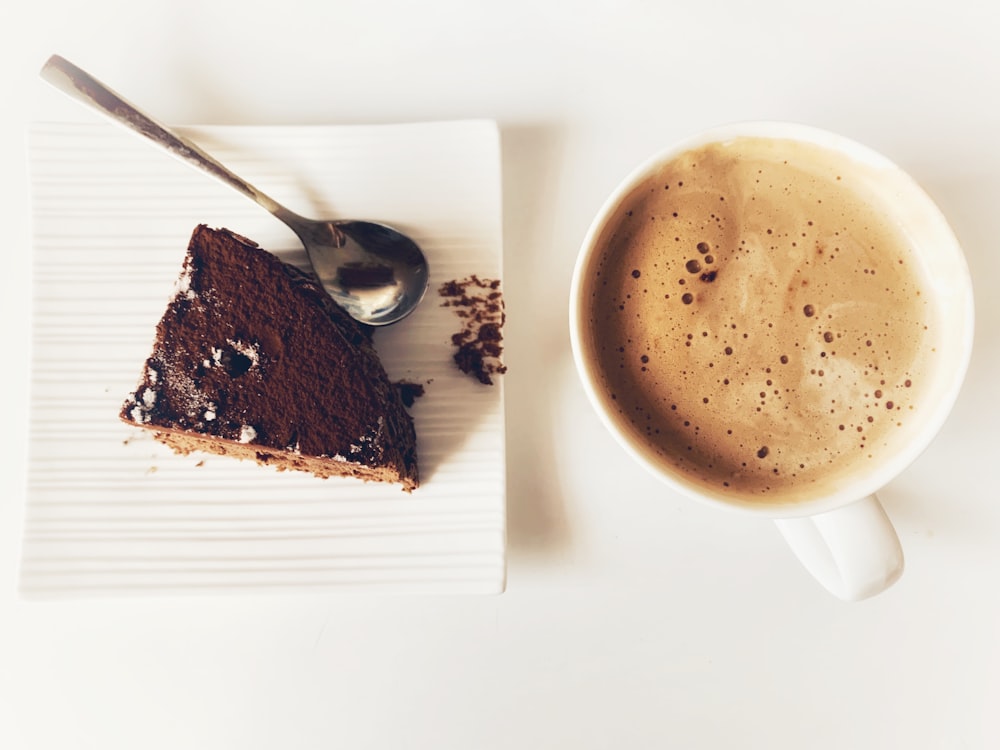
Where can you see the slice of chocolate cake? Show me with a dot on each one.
(253, 359)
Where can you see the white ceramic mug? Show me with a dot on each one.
(843, 538)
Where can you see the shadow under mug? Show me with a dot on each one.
(842, 537)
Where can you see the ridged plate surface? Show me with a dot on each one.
(111, 512)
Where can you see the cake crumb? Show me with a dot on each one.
(409, 392)
(479, 303)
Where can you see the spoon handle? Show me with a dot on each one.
(83, 87)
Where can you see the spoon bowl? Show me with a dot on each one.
(373, 271)
(376, 273)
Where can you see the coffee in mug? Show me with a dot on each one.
(775, 319)
(758, 320)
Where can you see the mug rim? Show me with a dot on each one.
(855, 488)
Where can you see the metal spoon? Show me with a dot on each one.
(377, 274)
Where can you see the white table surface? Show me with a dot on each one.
(633, 618)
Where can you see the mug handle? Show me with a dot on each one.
(853, 551)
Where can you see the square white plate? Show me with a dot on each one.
(110, 511)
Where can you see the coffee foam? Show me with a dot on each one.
(757, 319)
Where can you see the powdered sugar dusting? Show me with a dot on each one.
(182, 287)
